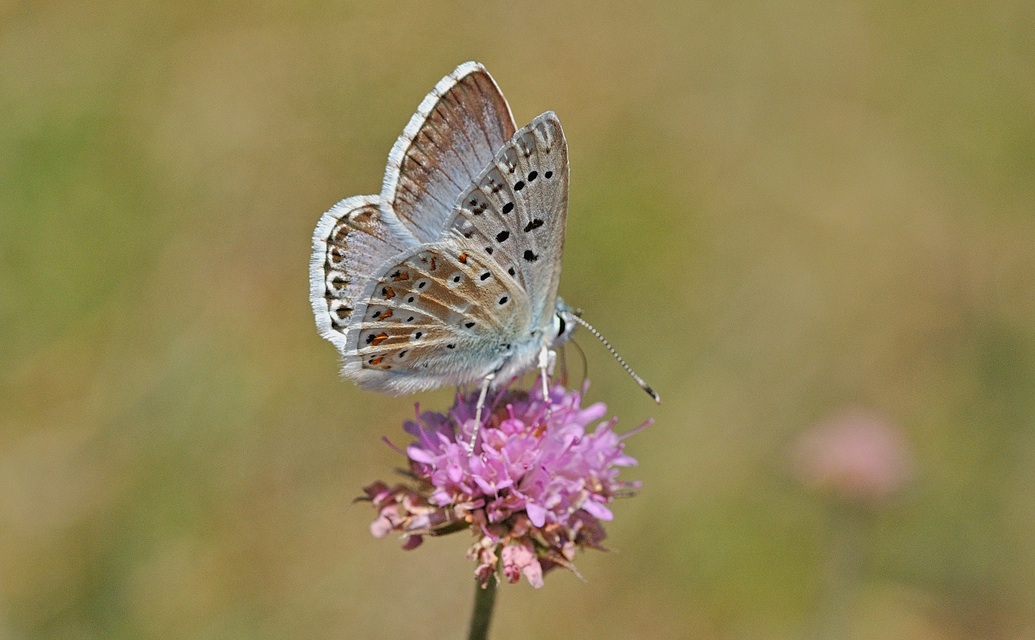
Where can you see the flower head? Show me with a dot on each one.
(535, 490)
(856, 456)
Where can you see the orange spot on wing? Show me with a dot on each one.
(378, 339)
(462, 257)
(388, 292)
(386, 314)
(377, 360)
(401, 275)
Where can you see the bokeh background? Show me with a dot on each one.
(781, 213)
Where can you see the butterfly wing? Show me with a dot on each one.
(516, 210)
(349, 244)
(441, 313)
(456, 132)
(451, 274)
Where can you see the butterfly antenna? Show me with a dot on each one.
(640, 381)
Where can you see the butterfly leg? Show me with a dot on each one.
(545, 365)
(486, 381)
(547, 360)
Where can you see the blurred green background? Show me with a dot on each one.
(779, 211)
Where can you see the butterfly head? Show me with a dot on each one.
(563, 323)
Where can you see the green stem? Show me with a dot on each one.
(846, 557)
(481, 617)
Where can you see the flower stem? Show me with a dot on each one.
(481, 617)
(845, 560)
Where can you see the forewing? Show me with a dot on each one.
(350, 244)
(444, 313)
(517, 208)
(456, 132)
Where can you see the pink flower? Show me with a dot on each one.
(519, 559)
(536, 489)
(856, 456)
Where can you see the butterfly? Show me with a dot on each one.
(450, 275)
